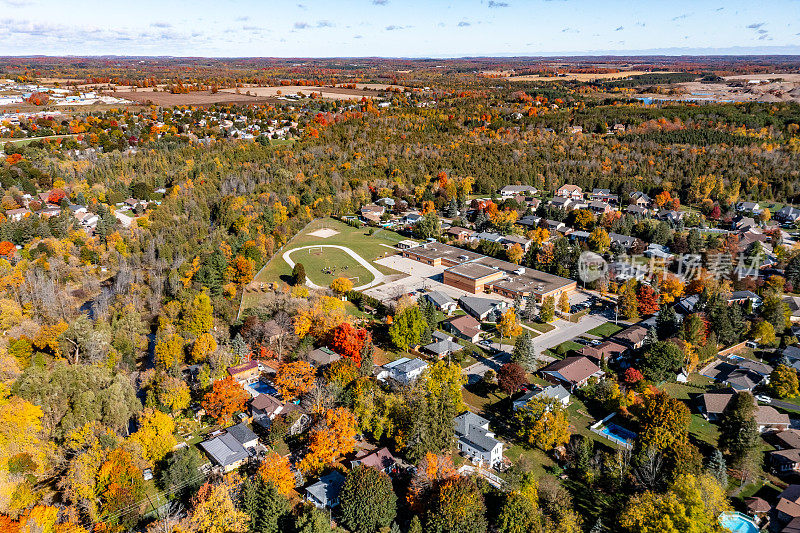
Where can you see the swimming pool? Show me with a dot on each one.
(615, 432)
(263, 387)
(738, 523)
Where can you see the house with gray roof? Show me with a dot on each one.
(404, 370)
(483, 309)
(323, 356)
(514, 190)
(623, 241)
(476, 441)
(553, 392)
(788, 214)
(442, 348)
(487, 236)
(325, 492)
(441, 301)
(244, 435)
(225, 451)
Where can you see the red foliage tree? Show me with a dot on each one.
(647, 300)
(349, 341)
(510, 377)
(55, 196)
(632, 376)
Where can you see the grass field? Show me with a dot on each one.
(323, 265)
(370, 247)
(605, 330)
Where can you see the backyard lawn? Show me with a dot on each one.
(562, 349)
(540, 327)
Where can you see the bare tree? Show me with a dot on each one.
(650, 472)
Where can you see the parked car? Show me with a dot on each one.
(763, 399)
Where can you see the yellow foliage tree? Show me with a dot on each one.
(204, 346)
(508, 326)
(341, 285)
(169, 351)
(334, 436)
(324, 314)
(215, 512)
(155, 435)
(277, 470)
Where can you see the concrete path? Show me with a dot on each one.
(377, 275)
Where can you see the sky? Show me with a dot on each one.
(397, 28)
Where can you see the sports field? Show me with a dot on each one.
(313, 247)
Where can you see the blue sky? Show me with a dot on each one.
(396, 28)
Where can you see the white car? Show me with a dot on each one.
(763, 399)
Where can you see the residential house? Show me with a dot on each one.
(529, 221)
(785, 461)
(748, 207)
(484, 309)
(793, 302)
(603, 195)
(599, 207)
(787, 214)
(323, 356)
(605, 351)
(225, 451)
(412, 218)
(510, 191)
(244, 435)
(380, 459)
(229, 449)
(441, 301)
(573, 371)
(459, 233)
(556, 225)
(561, 202)
(632, 336)
(476, 441)
(640, 199)
(17, 214)
(464, 327)
(442, 348)
(637, 211)
(787, 510)
(404, 370)
(742, 297)
(553, 392)
(487, 236)
(510, 240)
(266, 407)
(671, 216)
(325, 492)
(245, 373)
(713, 404)
(624, 242)
(658, 251)
(572, 192)
(743, 223)
(372, 212)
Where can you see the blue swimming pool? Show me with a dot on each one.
(738, 523)
(618, 433)
(263, 388)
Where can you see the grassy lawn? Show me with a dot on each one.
(326, 264)
(703, 430)
(605, 330)
(540, 327)
(564, 347)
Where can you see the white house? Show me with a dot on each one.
(476, 441)
(555, 392)
(403, 370)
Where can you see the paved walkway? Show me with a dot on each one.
(377, 275)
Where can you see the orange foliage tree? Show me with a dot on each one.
(55, 196)
(294, 379)
(276, 469)
(432, 470)
(349, 341)
(334, 436)
(7, 249)
(225, 398)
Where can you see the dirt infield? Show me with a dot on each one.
(324, 233)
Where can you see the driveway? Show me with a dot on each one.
(377, 275)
